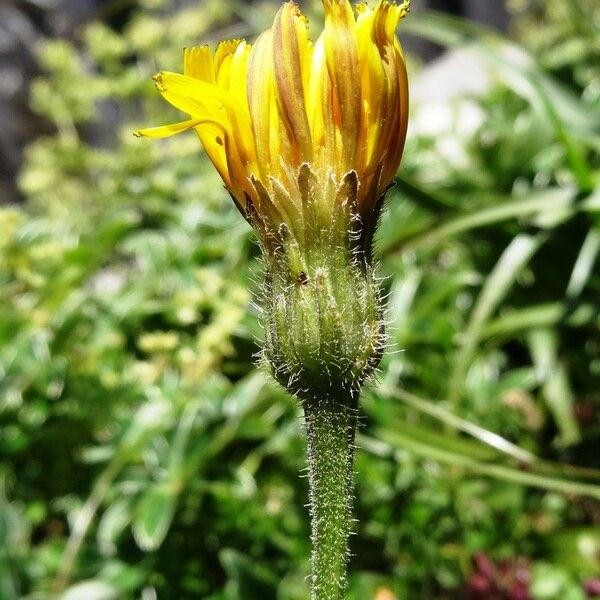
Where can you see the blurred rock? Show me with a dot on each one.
(23, 23)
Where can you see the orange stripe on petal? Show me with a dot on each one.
(291, 54)
(341, 49)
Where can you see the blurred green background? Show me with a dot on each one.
(143, 456)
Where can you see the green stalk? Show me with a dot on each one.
(330, 430)
(324, 336)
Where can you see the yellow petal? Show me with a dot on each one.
(167, 130)
(399, 133)
(198, 63)
(197, 98)
(261, 101)
(341, 51)
(215, 142)
(238, 68)
(320, 111)
(292, 53)
(262, 111)
(223, 57)
(202, 100)
(373, 84)
(384, 89)
(196, 89)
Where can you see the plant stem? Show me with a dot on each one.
(330, 429)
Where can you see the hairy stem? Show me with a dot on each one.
(330, 429)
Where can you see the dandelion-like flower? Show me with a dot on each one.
(269, 113)
(307, 138)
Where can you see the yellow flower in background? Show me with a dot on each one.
(338, 105)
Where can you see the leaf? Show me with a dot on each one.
(495, 288)
(112, 523)
(92, 589)
(384, 415)
(553, 201)
(488, 437)
(584, 264)
(446, 448)
(550, 582)
(557, 104)
(578, 549)
(244, 396)
(247, 578)
(153, 516)
(516, 321)
(557, 392)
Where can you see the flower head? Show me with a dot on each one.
(307, 138)
(268, 111)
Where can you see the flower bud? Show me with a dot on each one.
(322, 312)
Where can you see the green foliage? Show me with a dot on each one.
(140, 448)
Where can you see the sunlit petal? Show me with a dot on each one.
(264, 111)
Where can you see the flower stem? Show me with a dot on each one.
(330, 429)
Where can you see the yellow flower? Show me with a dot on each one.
(262, 111)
